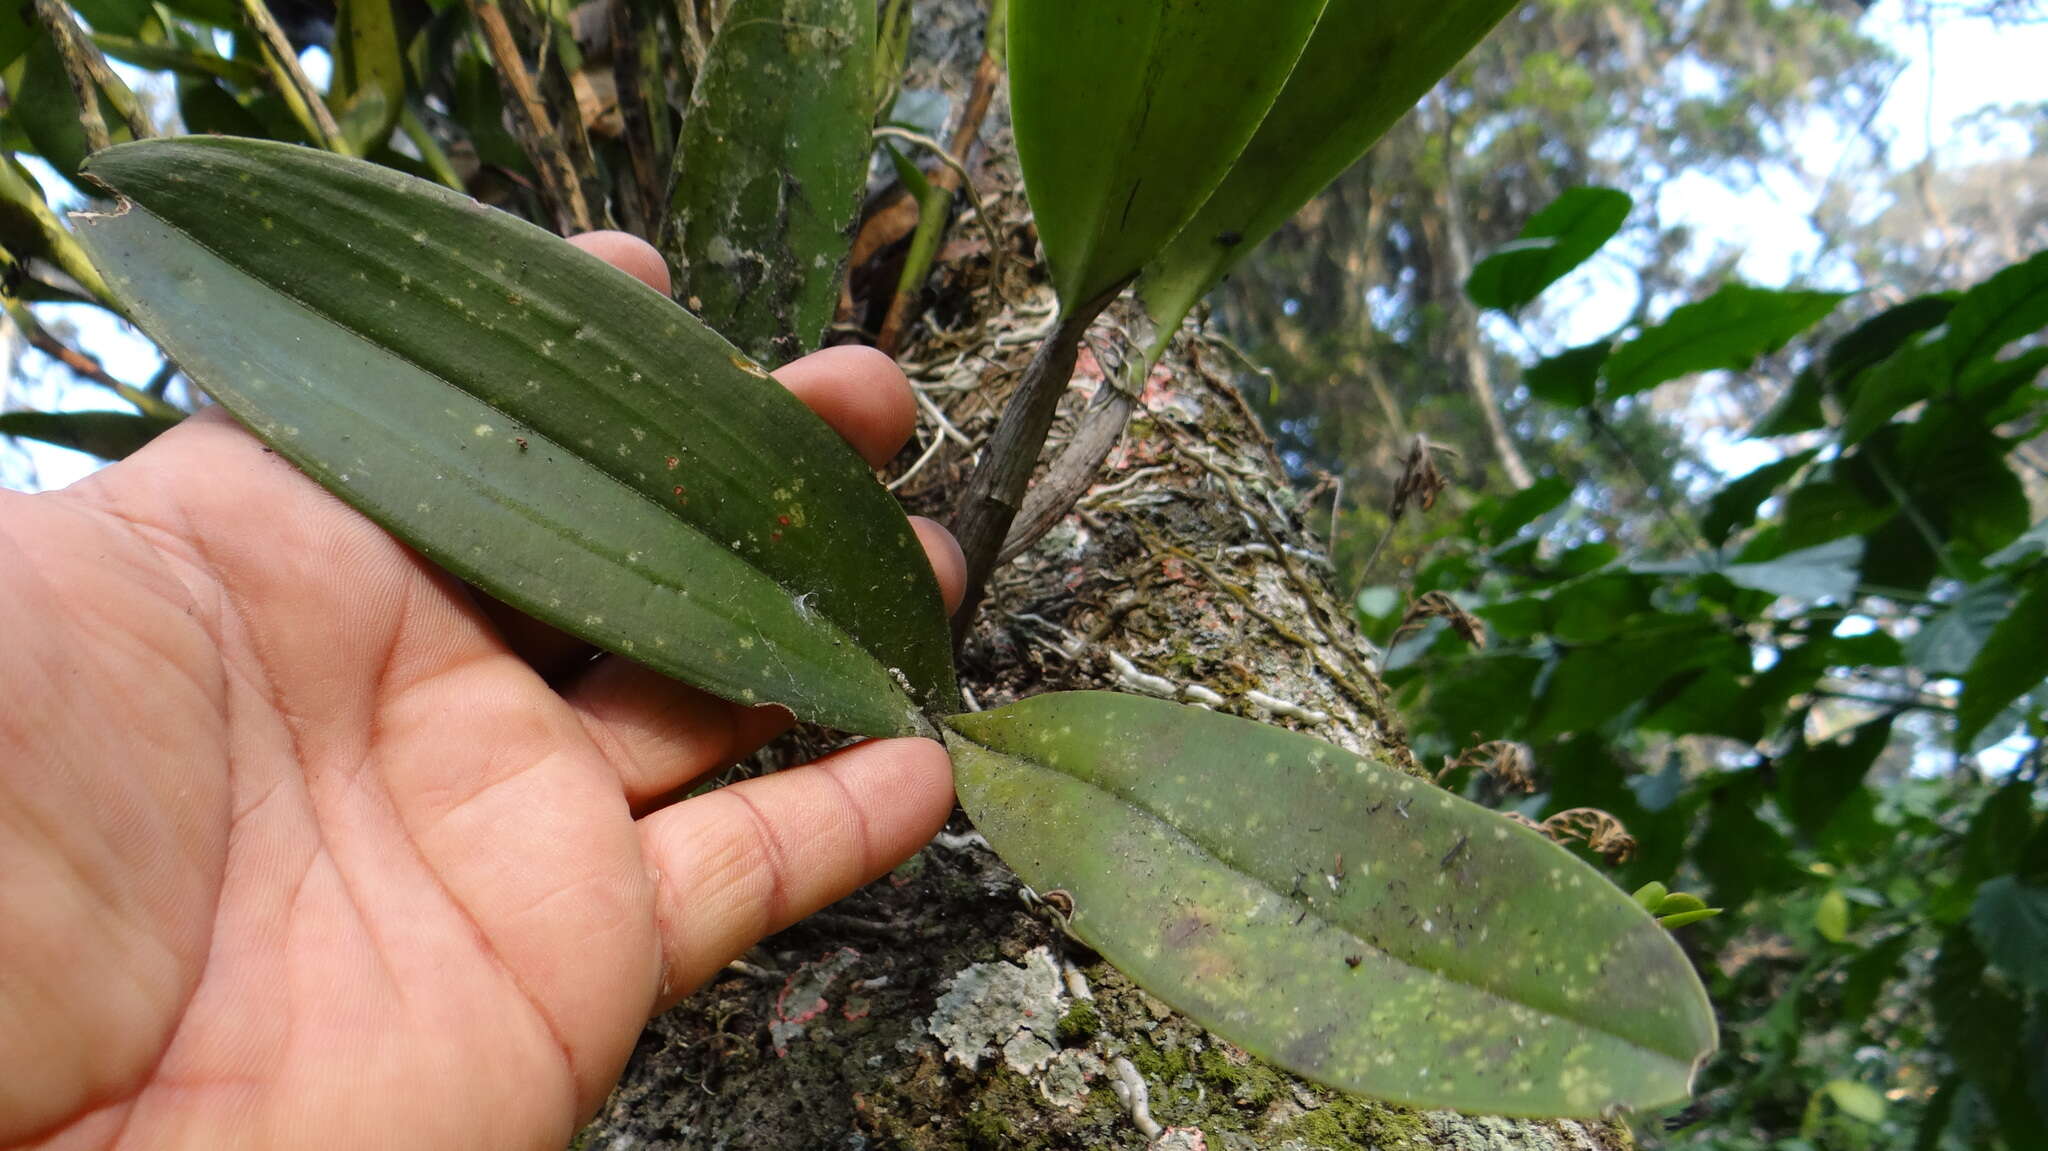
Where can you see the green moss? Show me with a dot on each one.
(1160, 1064)
(986, 1130)
(1079, 1023)
(1343, 1121)
(1248, 1084)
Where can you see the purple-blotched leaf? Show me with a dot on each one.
(1344, 920)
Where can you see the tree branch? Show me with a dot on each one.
(83, 366)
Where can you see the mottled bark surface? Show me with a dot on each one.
(941, 1007)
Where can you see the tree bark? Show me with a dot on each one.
(939, 1008)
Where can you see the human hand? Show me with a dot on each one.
(302, 844)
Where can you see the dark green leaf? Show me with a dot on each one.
(1879, 337)
(773, 158)
(122, 17)
(2011, 304)
(1814, 780)
(532, 419)
(2012, 662)
(1735, 504)
(1822, 572)
(1591, 687)
(1999, 834)
(2010, 920)
(1797, 410)
(108, 435)
(1728, 329)
(1820, 510)
(1946, 644)
(1980, 1021)
(1521, 509)
(1345, 920)
(40, 103)
(1553, 242)
(206, 108)
(1953, 471)
(1593, 609)
(1366, 65)
(224, 13)
(1740, 854)
(1128, 113)
(1868, 973)
(1569, 379)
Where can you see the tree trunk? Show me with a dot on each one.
(939, 1008)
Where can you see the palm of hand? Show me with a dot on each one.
(296, 848)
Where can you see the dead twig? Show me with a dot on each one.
(1420, 483)
(1438, 605)
(1602, 834)
(1510, 764)
(560, 185)
(304, 100)
(89, 75)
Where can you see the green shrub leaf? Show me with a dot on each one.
(1728, 329)
(1349, 922)
(2010, 919)
(1368, 62)
(773, 158)
(2012, 662)
(1961, 357)
(1553, 242)
(1129, 112)
(532, 419)
(1569, 379)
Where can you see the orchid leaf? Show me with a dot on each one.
(1129, 112)
(1351, 923)
(1367, 64)
(770, 169)
(532, 419)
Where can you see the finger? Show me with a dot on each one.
(949, 563)
(861, 393)
(662, 736)
(629, 254)
(748, 860)
(553, 653)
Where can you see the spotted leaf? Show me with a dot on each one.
(770, 170)
(1349, 922)
(532, 419)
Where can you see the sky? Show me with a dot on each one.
(1971, 64)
